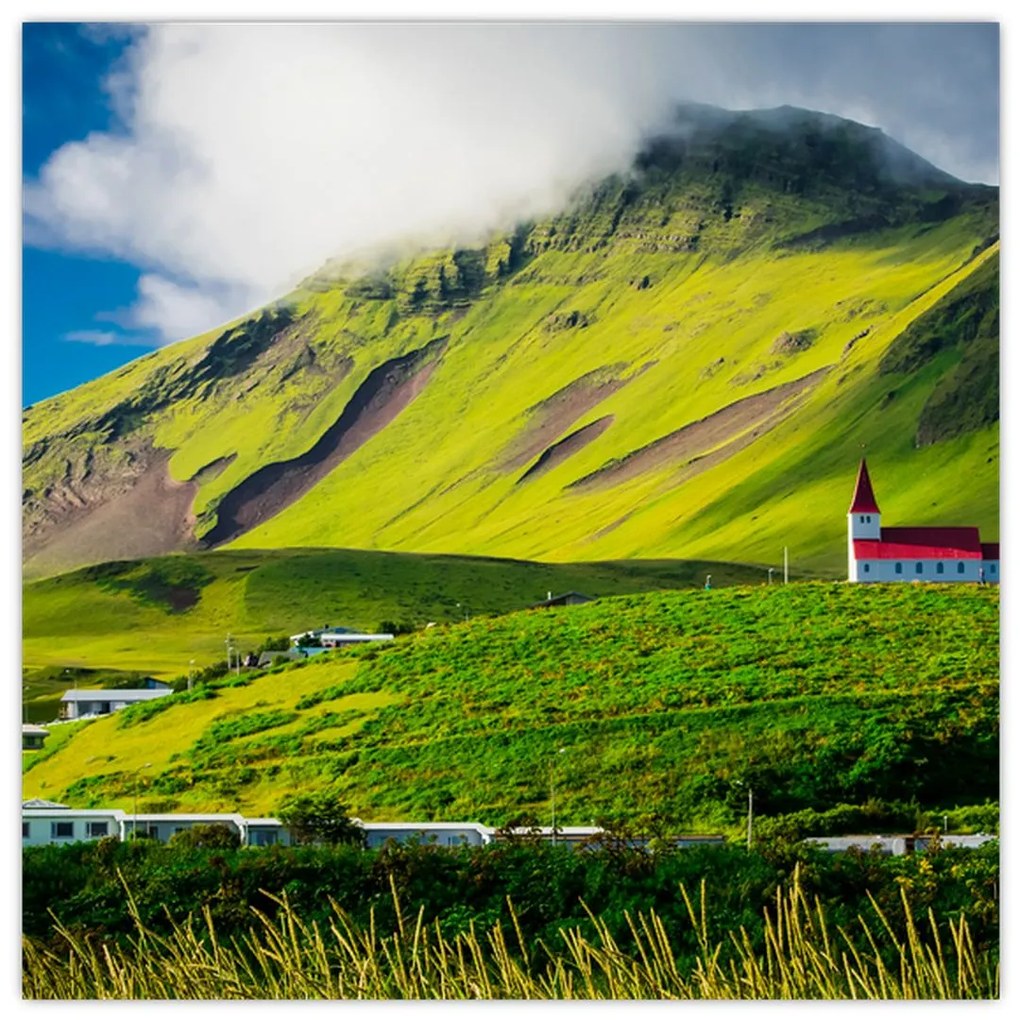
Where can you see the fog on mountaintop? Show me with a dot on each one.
(251, 154)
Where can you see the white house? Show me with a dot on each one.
(162, 826)
(82, 704)
(937, 554)
(337, 637)
(59, 824)
(441, 833)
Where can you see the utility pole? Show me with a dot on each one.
(229, 650)
(771, 569)
(552, 794)
(191, 673)
(786, 565)
(750, 815)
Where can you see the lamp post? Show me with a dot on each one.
(134, 821)
(750, 810)
(552, 794)
(750, 814)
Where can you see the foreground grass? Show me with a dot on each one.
(286, 958)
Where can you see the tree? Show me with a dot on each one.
(320, 817)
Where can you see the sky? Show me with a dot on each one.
(177, 175)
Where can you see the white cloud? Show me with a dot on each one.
(253, 153)
(95, 337)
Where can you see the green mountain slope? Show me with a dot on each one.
(687, 363)
(664, 703)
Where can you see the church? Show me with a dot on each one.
(875, 553)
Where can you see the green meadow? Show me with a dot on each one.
(663, 707)
(156, 616)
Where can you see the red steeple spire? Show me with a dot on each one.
(864, 497)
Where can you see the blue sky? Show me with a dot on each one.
(178, 177)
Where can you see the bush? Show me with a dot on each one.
(215, 836)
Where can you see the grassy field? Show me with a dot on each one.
(667, 705)
(155, 616)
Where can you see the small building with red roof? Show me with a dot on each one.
(940, 554)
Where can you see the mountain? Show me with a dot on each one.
(687, 362)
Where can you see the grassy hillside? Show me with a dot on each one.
(665, 705)
(687, 363)
(156, 616)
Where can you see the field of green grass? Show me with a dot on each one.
(666, 705)
(156, 616)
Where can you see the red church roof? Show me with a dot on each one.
(922, 544)
(864, 497)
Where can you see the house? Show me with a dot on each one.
(941, 554)
(335, 637)
(570, 598)
(33, 737)
(344, 638)
(895, 846)
(440, 833)
(47, 823)
(78, 704)
(590, 835)
(162, 827)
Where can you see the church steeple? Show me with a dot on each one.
(863, 519)
(864, 496)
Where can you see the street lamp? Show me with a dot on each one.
(552, 793)
(137, 773)
(750, 810)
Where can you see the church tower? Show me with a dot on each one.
(863, 519)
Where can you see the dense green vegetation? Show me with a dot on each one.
(667, 706)
(767, 254)
(157, 615)
(542, 896)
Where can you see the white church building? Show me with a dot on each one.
(875, 553)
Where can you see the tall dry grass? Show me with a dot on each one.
(285, 958)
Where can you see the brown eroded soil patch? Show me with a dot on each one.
(387, 390)
(551, 417)
(151, 518)
(703, 437)
(567, 447)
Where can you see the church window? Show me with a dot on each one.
(899, 568)
(959, 567)
(867, 568)
(919, 568)
(940, 568)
